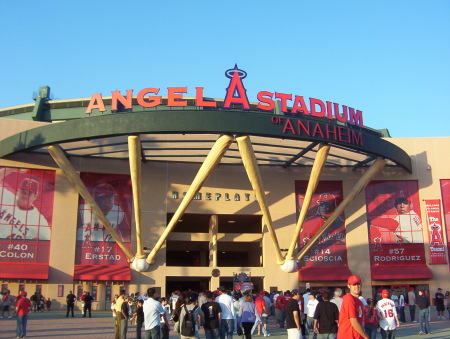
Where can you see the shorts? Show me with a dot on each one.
(440, 308)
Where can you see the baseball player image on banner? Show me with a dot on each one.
(113, 194)
(445, 191)
(395, 226)
(330, 249)
(26, 208)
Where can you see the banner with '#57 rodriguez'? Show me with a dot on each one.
(95, 245)
(26, 209)
(395, 224)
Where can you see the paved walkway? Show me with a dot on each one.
(55, 325)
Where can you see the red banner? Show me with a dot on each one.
(330, 249)
(95, 245)
(395, 226)
(435, 232)
(26, 210)
(445, 191)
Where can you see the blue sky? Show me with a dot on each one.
(390, 59)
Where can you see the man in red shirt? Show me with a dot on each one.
(260, 304)
(351, 314)
(22, 308)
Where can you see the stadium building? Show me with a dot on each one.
(145, 188)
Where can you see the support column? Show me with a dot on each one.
(316, 170)
(60, 158)
(377, 166)
(251, 166)
(212, 160)
(213, 229)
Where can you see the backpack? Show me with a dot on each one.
(187, 328)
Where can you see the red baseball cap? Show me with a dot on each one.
(354, 279)
(385, 294)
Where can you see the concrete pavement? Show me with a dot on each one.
(54, 324)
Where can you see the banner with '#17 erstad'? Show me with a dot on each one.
(95, 245)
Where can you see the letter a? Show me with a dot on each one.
(236, 92)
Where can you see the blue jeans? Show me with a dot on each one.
(371, 330)
(154, 333)
(255, 327)
(423, 318)
(412, 312)
(226, 328)
(21, 330)
(387, 334)
(212, 333)
(310, 326)
(327, 336)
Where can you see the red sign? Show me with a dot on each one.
(395, 226)
(95, 245)
(445, 190)
(236, 94)
(330, 249)
(26, 210)
(435, 232)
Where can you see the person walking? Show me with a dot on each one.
(371, 319)
(248, 315)
(23, 307)
(228, 314)
(191, 317)
(213, 313)
(152, 315)
(263, 310)
(6, 304)
(326, 318)
(312, 304)
(294, 316)
(387, 313)
(424, 312)
(351, 315)
(412, 304)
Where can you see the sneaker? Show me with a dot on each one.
(267, 335)
(10, 317)
(420, 333)
(414, 321)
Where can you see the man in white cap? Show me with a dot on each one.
(351, 314)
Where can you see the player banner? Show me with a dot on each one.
(95, 246)
(437, 247)
(395, 226)
(330, 249)
(26, 210)
(445, 191)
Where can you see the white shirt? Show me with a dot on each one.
(312, 304)
(152, 312)
(387, 311)
(363, 300)
(226, 305)
(338, 302)
(92, 229)
(409, 227)
(17, 223)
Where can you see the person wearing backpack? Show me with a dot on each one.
(213, 315)
(191, 317)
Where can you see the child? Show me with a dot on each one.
(48, 303)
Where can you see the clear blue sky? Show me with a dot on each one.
(390, 59)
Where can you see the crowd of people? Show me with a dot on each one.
(327, 313)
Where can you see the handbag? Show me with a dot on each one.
(239, 331)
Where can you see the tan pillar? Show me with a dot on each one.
(377, 166)
(134, 151)
(60, 158)
(213, 229)
(212, 160)
(251, 166)
(316, 170)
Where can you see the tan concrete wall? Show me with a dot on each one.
(430, 164)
